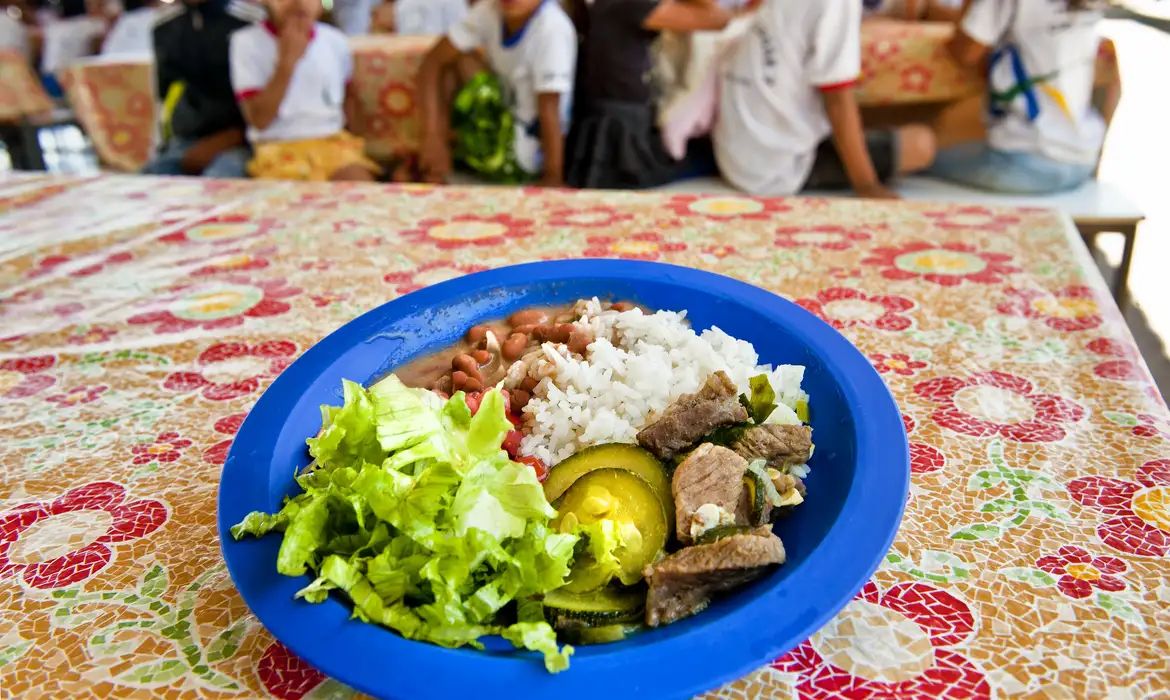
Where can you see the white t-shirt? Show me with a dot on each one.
(13, 36)
(540, 58)
(133, 33)
(771, 113)
(67, 40)
(426, 17)
(314, 103)
(1041, 77)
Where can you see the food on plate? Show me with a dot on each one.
(682, 584)
(665, 455)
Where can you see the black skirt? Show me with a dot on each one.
(616, 145)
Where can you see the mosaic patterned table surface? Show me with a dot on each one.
(141, 318)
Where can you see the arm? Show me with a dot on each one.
(435, 155)
(552, 139)
(260, 108)
(849, 138)
(913, 10)
(687, 16)
(941, 13)
(205, 150)
(966, 51)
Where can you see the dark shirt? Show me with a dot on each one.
(615, 56)
(191, 45)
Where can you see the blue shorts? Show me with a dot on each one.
(1016, 172)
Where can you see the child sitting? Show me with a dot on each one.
(786, 87)
(291, 77)
(531, 46)
(915, 10)
(1044, 134)
(615, 140)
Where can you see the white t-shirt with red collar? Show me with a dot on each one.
(771, 113)
(314, 103)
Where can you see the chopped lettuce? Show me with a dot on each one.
(411, 509)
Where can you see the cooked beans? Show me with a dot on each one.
(622, 306)
(514, 346)
(579, 342)
(465, 363)
(527, 317)
(520, 399)
(458, 380)
(482, 357)
(529, 384)
(476, 334)
(473, 384)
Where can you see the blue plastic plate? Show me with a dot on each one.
(857, 490)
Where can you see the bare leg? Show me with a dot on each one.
(916, 148)
(352, 173)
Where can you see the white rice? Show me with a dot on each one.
(638, 364)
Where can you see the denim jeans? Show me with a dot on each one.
(979, 165)
(230, 163)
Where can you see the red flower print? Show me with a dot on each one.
(917, 79)
(924, 458)
(591, 217)
(167, 447)
(1151, 426)
(719, 250)
(239, 262)
(843, 307)
(428, 274)
(724, 207)
(898, 363)
(883, 50)
(397, 99)
(1070, 309)
(946, 264)
(467, 230)
(961, 218)
(823, 237)
(995, 403)
(25, 376)
(1139, 511)
(369, 242)
(52, 544)
(46, 265)
(285, 675)
(228, 425)
(78, 395)
(92, 336)
(922, 622)
(1080, 572)
(640, 246)
(230, 370)
(221, 229)
(218, 304)
(1122, 368)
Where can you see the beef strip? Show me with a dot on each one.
(781, 445)
(709, 474)
(692, 416)
(682, 584)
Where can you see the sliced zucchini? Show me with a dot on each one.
(628, 500)
(802, 410)
(606, 606)
(612, 456)
(757, 498)
(723, 531)
(605, 634)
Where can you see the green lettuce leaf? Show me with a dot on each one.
(413, 512)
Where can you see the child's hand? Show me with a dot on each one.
(877, 191)
(293, 41)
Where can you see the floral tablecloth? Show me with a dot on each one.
(141, 318)
(21, 92)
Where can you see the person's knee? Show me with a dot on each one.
(917, 148)
(229, 164)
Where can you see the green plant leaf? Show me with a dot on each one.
(153, 673)
(1047, 510)
(12, 653)
(218, 680)
(999, 505)
(1030, 576)
(1117, 606)
(1127, 420)
(995, 455)
(978, 531)
(154, 582)
(984, 479)
(226, 643)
